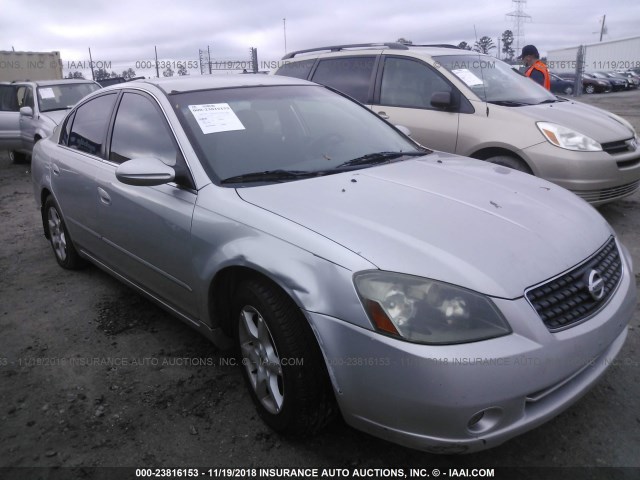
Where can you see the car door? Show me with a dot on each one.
(146, 230)
(9, 117)
(28, 122)
(74, 169)
(403, 96)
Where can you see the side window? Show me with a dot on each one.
(350, 75)
(296, 69)
(140, 130)
(22, 91)
(66, 129)
(89, 128)
(407, 83)
(8, 98)
(28, 98)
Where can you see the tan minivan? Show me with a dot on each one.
(475, 105)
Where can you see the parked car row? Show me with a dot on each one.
(600, 82)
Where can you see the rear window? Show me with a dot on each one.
(350, 75)
(296, 69)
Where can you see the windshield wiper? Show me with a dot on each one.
(380, 157)
(549, 101)
(508, 103)
(269, 175)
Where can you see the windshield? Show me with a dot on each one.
(285, 132)
(63, 96)
(493, 80)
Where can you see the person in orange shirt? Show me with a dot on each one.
(537, 71)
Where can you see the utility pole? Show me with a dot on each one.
(157, 69)
(602, 27)
(209, 57)
(93, 77)
(284, 28)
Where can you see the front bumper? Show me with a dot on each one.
(597, 177)
(428, 397)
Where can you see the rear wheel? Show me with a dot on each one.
(589, 89)
(63, 249)
(281, 361)
(568, 90)
(511, 162)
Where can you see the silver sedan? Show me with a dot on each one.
(435, 301)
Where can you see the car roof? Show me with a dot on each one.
(189, 83)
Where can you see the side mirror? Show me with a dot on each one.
(26, 111)
(145, 172)
(441, 100)
(404, 130)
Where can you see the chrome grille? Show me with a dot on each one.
(566, 300)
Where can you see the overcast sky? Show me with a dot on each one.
(125, 33)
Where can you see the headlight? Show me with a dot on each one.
(564, 137)
(426, 311)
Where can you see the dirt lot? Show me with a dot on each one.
(171, 400)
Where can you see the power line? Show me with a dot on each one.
(519, 17)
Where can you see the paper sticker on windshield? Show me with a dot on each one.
(467, 77)
(46, 93)
(216, 117)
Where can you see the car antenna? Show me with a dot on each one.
(484, 87)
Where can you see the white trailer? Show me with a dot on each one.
(30, 66)
(619, 54)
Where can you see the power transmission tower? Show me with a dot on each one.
(519, 18)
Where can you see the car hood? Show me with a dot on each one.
(466, 222)
(591, 121)
(56, 116)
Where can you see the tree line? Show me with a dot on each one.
(484, 45)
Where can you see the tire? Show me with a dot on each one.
(18, 157)
(510, 162)
(63, 249)
(292, 397)
(568, 90)
(589, 89)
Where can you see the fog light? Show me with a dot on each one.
(484, 420)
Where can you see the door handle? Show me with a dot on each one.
(104, 196)
(383, 115)
(56, 169)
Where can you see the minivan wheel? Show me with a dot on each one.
(511, 162)
(281, 362)
(63, 249)
(18, 157)
(589, 89)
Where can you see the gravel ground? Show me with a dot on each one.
(173, 400)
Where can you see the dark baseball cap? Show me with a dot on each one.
(529, 50)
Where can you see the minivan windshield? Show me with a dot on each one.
(63, 96)
(283, 133)
(494, 81)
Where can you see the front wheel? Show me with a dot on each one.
(568, 90)
(63, 249)
(281, 361)
(589, 89)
